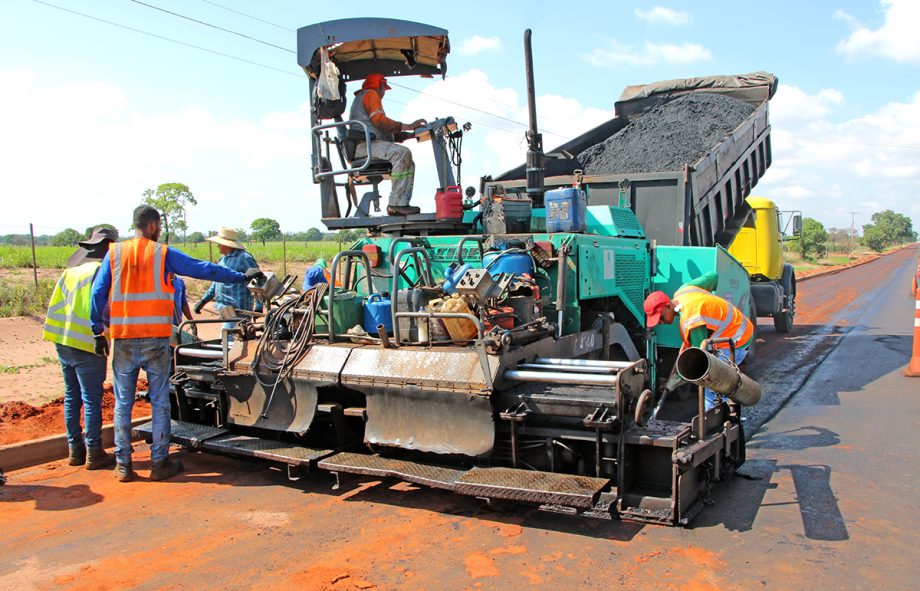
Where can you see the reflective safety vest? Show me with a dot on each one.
(141, 299)
(68, 319)
(359, 113)
(699, 307)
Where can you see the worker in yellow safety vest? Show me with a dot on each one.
(67, 325)
(701, 316)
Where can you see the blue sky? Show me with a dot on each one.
(92, 114)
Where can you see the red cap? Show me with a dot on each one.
(654, 304)
(375, 81)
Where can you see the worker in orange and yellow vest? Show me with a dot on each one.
(135, 280)
(702, 315)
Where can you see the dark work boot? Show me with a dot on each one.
(163, 469)
(124, 472)
(77, 455)
(402, 210)
(98, 459)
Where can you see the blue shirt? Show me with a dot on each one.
(180, 298)
(177, 262)
(314, 276)
(237, 294)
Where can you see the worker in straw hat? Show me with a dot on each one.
(230, 297)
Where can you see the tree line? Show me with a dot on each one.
(887, 229)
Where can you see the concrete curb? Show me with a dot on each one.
(851, 265)
(48, 449)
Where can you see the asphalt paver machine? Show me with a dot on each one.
(479, 355)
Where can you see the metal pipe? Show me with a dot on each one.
(560, 288)
(478, 239)
(190, 351)
(535, 158)
(549, 377)
(384, 337)
(567, 368)
(583, 362)
(705, 369)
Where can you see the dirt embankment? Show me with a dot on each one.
(21, 422)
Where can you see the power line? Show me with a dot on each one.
(206, 24)
(255, 18)
(170, 39)
(854, 143)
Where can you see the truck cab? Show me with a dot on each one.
(758, 246)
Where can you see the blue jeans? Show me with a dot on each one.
(740, 354)
(128, 357)
(83, 377)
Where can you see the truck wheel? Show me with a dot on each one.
(782, 321)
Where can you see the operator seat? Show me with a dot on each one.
(376, 172)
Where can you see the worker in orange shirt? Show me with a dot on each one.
(368, 109)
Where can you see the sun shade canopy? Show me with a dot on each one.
(361, 46)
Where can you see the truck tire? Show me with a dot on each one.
(782, 321)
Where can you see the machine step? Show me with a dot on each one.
(529, 486)
(183, 433)
(265, 449)
(373, 465)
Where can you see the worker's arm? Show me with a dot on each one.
(708, 281)
(374, 107)
(208, 295)
(251, 261)
(181, 264)
(99, 297)
(698, 335)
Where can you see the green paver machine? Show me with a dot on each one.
(482, 355)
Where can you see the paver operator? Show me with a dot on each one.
(67, 325)
(135, 280)
(367, 107)
(232, 297)
(702, 315)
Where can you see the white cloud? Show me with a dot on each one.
(662, 15)
(617, 55)
(477, 44)
(828, 166)
(896, 39)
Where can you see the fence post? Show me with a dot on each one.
(34, 264)
(210, 248)
(284, 254)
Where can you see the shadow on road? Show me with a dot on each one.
(737, 506)
(794, 439)
(51, 498)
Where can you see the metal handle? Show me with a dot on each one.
(335, 265)
(394, 291)
(478, 239)
(367, 141)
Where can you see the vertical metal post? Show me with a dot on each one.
(284, 254)
(34, 264)
(535, 159)
(210, 249)
(701, 426)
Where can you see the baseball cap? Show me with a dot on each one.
(375, 81)
(654, 304)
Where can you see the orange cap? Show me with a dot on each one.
(375, 81)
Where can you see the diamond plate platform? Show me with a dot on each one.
(528, 486)
(188, 434)
(369, 465)
(265, 449)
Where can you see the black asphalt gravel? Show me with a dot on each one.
(668, 137)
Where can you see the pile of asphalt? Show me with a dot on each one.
(668, 136)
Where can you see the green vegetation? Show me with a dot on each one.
(171, 199)
(68, 237)
(264, 229)
(14, 369)
(22, 299)
(813, 240)
(47, 257)
(888, 229)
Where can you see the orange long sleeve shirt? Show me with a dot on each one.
(374, 107)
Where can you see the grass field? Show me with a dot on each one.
(55, 257)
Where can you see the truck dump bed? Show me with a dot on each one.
(697, 197)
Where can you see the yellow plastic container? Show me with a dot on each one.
(460, 329)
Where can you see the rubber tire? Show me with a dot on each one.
(782, 321)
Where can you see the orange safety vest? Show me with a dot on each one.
(699, 307)
(141, 299)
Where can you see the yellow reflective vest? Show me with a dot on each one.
(67, 321)
(699, 307)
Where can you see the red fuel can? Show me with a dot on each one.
(448, 204)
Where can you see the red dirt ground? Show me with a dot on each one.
(21, 422)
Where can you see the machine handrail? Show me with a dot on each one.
(478, 239)
(335, 264)
(367, 141)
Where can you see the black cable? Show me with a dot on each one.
(170, 39)
(255, 18)
(277, 353)
(195, 20)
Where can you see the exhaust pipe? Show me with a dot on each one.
(699, 367)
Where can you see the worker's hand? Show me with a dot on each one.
(254, 273)
(101, 347)
(415, 124)
(199, 307)
(193, 328)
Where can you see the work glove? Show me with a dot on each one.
(101, 347)
(199, 307)
(193, 328)
(254, 273)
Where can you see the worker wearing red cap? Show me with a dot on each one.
(702, 315)
(368, 108)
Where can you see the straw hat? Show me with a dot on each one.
(228, 237)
